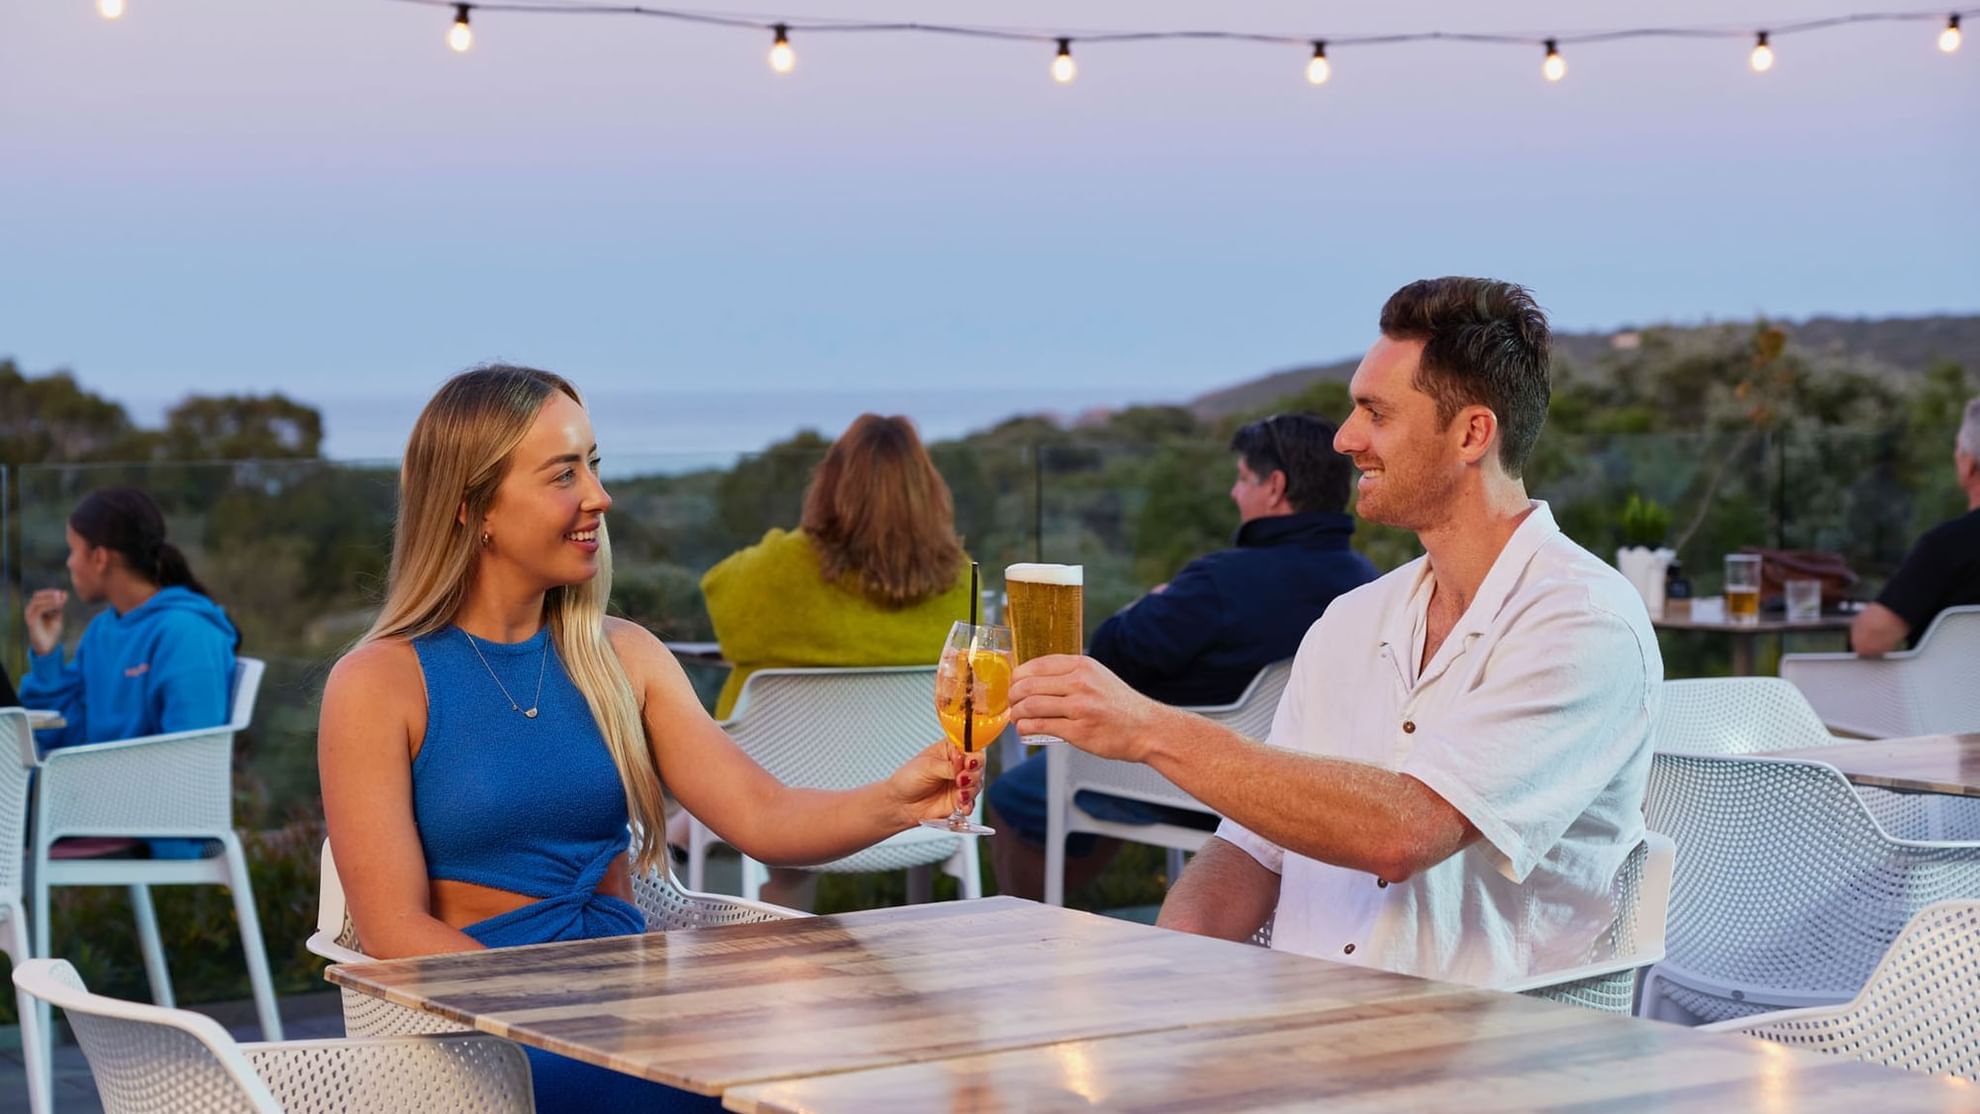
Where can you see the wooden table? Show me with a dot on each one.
(1947, 764)
(719, 1008)
(1745, 635)
(1470, 1051)
(40, 719)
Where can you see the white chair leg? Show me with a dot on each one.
(754, 874)
(34, 1059)
(1176, 858)
(251, 943)
(44, 1014)
(152, 946)
(966, 866)
(698, 839)
(1057, 802)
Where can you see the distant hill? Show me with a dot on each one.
(1901, 345)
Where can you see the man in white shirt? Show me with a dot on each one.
(1457, 768)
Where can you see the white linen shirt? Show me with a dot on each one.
(1533, 720)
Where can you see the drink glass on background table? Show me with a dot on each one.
(1045, 606)
(1804, 600)
(1743, 589)
(973, 701)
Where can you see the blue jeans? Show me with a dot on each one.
(1018, 795)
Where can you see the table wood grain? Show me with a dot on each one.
(1472, 1051)
(1947, 764)
(716, 1008)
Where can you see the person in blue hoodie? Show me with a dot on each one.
(160, 658)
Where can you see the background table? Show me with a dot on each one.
(1947, 764)
(717, 1008)
(1475, 1051)
(1745, 635)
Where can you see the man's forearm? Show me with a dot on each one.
(1330, 809)
(1224, 893)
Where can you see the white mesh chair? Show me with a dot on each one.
(1919, 1011)
(16, 736)
(153, 1060)
(1069, 771)
(666, 905)
(1751, 715)
(177, 785)
(1606, 980)
(837, 729)
(1787, 892)
(1927, 690)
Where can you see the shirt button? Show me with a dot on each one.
(1381, 883)
(1349, 949)
(1409, 727)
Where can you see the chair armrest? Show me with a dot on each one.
(433, 1075)
(1580, 974)
(1761, 1024)
(159, 785)
(324, 945)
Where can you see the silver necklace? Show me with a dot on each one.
(541, 664)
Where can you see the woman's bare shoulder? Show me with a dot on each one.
(386, 668)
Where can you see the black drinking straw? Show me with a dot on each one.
(969, 669)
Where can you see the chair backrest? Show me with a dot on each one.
(247, 688)
(17, 762)
(1922, 691)
(1250, 716)
(149, 1059)
(835, 728)
(1642, 892)
(1735, 715)
(1920, 1010)
(1786, 880)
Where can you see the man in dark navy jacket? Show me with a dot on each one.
(1203, 636)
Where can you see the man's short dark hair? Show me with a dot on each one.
(1301, 446)
(1485, 343)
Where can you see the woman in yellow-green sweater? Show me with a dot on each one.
(874, 574)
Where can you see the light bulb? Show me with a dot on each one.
(460, 36)
(1949, 38)
(1762, 59)
(1063, 70)
(1318, 70)
(110, 9)
(782, 58)
(1554, 67)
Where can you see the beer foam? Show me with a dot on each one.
(1072, 576)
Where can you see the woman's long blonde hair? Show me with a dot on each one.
(458, 454)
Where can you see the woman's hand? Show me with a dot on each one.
(935, 781)
(44, 619)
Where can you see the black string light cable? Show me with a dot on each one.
(1319, 66)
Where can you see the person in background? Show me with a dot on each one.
(160, 658)
(478, 798)
(1941, 571)
(873, 575)
(1200, 639)
(1456, 771)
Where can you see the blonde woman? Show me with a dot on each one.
(487, 745)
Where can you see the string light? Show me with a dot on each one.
(1063, 69)
(1554, 67)
(460, 36)
(1762, 58)
(110, 9)
(1949, 38)
(782, 58)
(1319, 70)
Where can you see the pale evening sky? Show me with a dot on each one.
(317, 196)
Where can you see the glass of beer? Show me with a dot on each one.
(973, 701)
(1046, 610)
(1743, 589)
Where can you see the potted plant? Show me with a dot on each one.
(1643, 558)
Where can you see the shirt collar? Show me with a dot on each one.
(1507, 568)
(1300, 526)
